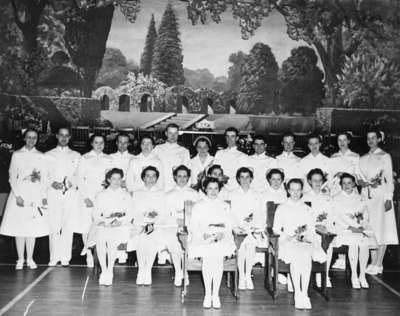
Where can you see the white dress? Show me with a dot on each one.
(322, 209)
(196, 167)
(295, 218)
(111, 205)
(342, 162)
(62, 166)
(210, 217)
(134, 181)
(149, 207)
(289, 163)
(28, 180)
(379, 165)
(351, 210)
(260, 165)
(230, 159)
(91, 178)
(171, 155)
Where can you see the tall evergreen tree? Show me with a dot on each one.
(167, 58)
(147, 55)
(259, 83)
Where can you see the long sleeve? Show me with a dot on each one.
(13, 175)
(388, 177)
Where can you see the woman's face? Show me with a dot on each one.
(181, 178)
(245, 179)
(295, 191)
(348, 185)
(115, 180)
(31, 139)
(98, 144)
(150, 178)
(212, 190)
(217, 174)
(373, 140)
(316, 182)
(275, 181)
(343, 142)
(202, 147)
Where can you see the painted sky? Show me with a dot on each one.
(204, 46)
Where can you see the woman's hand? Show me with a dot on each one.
(20, 201)
(88, 202)
(388, 205)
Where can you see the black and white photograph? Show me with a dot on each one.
(199, 157)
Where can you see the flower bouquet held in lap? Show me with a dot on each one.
(358, 225)
(215, 233)
(113, 220)
(300, 234)
(150, 218)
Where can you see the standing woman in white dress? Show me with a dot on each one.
(25, 216)
(148, 210)
(111, 216)
(376, 178)
(298, 242)
(202, 161)
(91, 174)
(175, 201)
(211, 238)
(353, 228)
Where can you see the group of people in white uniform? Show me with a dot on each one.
(139, 201)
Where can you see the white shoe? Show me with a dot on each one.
(249, 283)
(147, 279)
(65, 263)
(242, 283)
(19, 265)
(216, 303)
(298, 301)
(163, 257)
(122, 258)
(282, 279)
(372, 270)
(139, 279)
(306, 302)
(102, 278)
(108, 278)
(290, 286)
(318, 279)
(178, 279)
(340, 264)
(31, 264)
(379, 270)
(89, 260)
(328, 282)
(363, 282)
(207, 302)
(355, 283)
(53, 263)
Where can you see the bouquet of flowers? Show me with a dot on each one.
(34, 176)
(151, 214)
(113, 219)
(65, 186)
(215, 232)
(299, 233)
(374, 182)
(322, 217)
(358, 217)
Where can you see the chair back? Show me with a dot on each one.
(271, 209)
(187, 212)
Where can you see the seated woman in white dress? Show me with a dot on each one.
(211, 238)
(353, 228)
(246, 210)
(173, 218)
(148, 207)
(111, 218)
(321, 206)
(25, 216)
(298, 243)
(216, 172)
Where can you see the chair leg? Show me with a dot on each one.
(267, 274)
(235, 284)
(275, 277)
(97, 267)
(185, 275)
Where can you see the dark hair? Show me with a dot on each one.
(172, 125)
(275, 171)
(30, 130)
(375, 130)
(91, 139)
(202, 139)
(149, 168)
(243, 170)
(148, 137)
(231, 129)
(64, 127)
(295, 180)
(110, 173)
(259, 137)
(315, 171)
(122, 135)
(212, 168)
(209, 180)
(288, 134)
(179, 168)
(345, 175)
(314, 135)
(347, 134)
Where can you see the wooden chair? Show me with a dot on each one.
(274, 266)
(80, 137)
(230, 265)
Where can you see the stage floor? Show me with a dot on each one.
(58, 291)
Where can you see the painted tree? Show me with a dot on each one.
(302, 88)
(114, 68)
(259, 83)
(147, 55)
(167, 58)
(235, 71)
(330, 26)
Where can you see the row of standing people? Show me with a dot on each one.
(48, 183)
